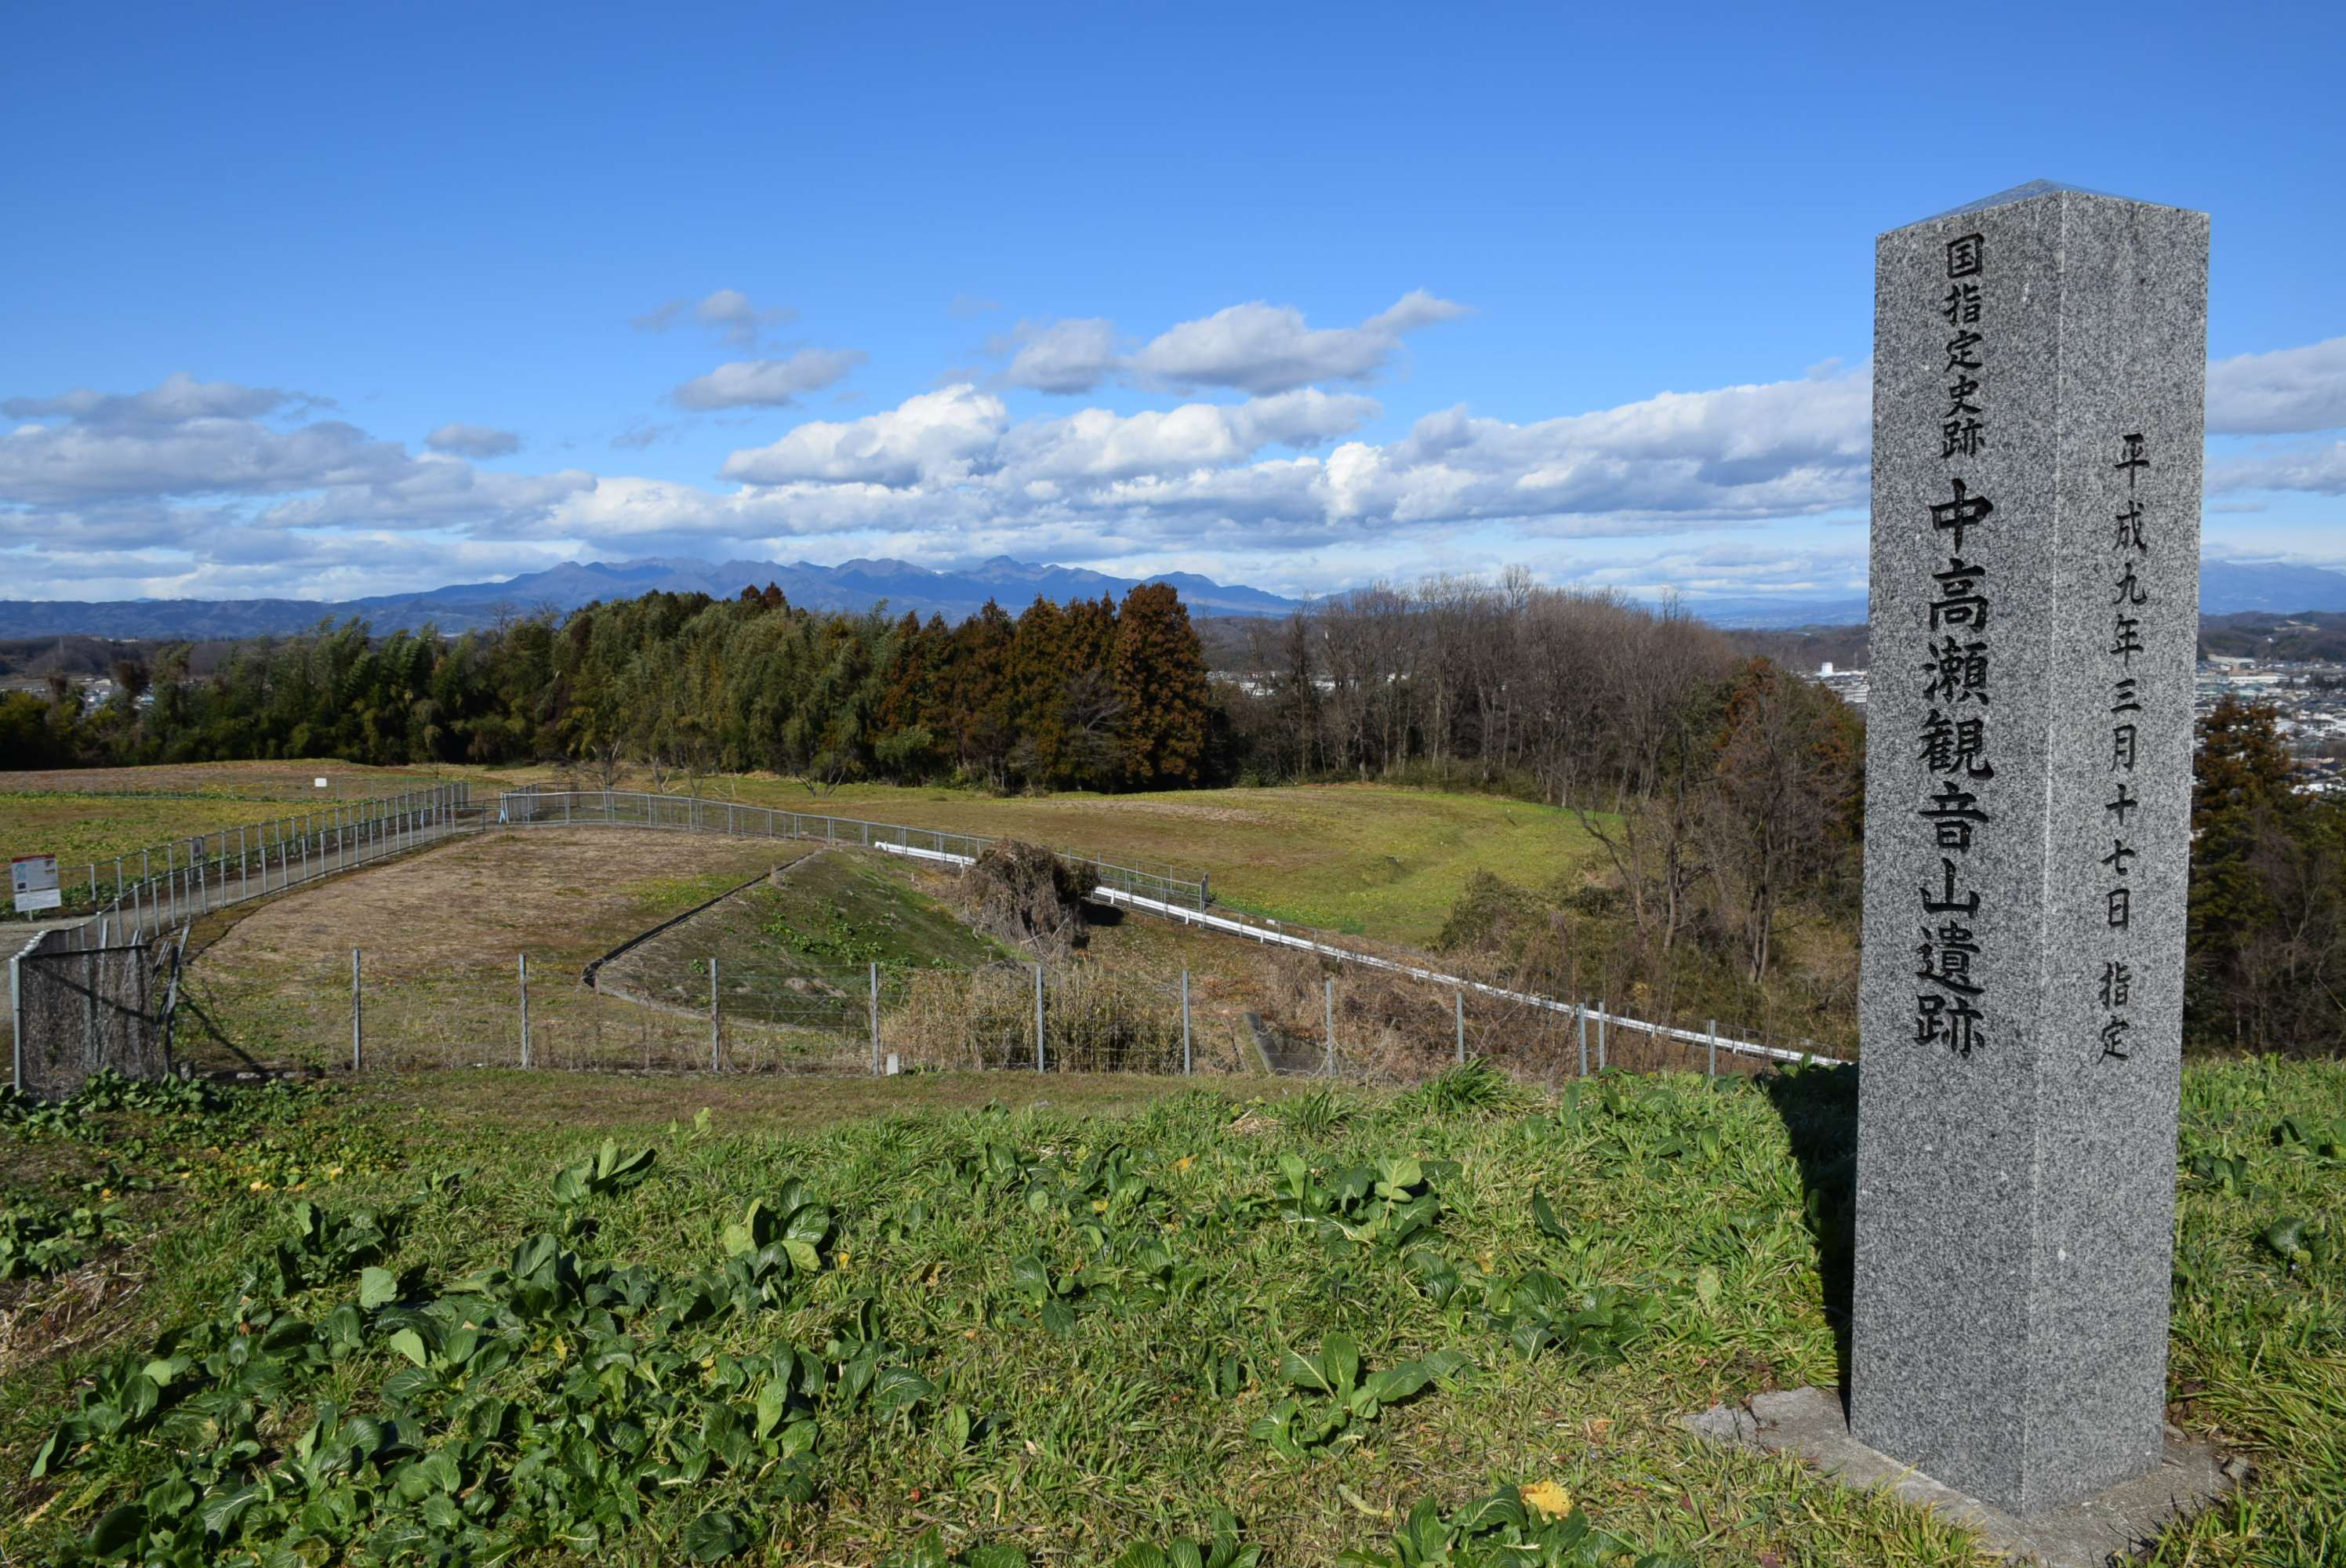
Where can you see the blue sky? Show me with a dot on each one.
(1293, 296)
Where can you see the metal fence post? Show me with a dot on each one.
(1328, 1011)
(875, 1019)
(1039, 1065)
(1458, 1013)
(1600, 1033)
(1714, 1050)
(1185, 1023)
(358, 1010)
(1580, 1027)
(524, 1008)
(716, 1038)
(16, 1021)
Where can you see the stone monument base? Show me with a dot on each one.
(1809, 1424)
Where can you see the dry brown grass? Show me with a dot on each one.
(441, 933)
(1096, 1019)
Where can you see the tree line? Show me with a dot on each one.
(1094, 695)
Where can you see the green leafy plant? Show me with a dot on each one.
(2218, 1171)
(1223, 1549)
(1538, 1313)
(1051, 1295)
(2300, 1243)
(1388, 1204)
(1336, 1394)
(604, 1172)
(38, 1238)
(1471, 1088)
(929, 1552)
(837, 939)
(2323, 1139)
(1502, 1531)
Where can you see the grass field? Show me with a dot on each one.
(284, 782)
(93, 814)
(441, 934)
(796, 946)
(421, 1319)
(82, 828)
(1360, 858)
(1370, 860)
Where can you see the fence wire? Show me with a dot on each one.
(80, 1010)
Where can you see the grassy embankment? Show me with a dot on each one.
(376, 1317)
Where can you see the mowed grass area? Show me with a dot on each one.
(256, 781)
(1368, 860)
(1013, 1314)
(1365, 859)
(80, 830)
(87, 815)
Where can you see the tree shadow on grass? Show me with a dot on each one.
(1819, 1105)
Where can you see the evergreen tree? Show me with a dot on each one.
(1039, 668)
(978, 684)
(1159, 675)
(2241, 798)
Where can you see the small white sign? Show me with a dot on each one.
(34, 880)
(318, 783)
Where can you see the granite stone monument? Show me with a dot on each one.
(2039, 368)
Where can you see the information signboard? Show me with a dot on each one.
(33, 879)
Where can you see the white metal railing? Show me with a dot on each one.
(1583, 1013)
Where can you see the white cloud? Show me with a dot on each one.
(1260, 348)
(473, 441)
(1098, 444)
(189, 482)
(2319, 469)
(61, 464)
(1069, 356)
(768, 384)
(176, 399)
(2283, 392)
(728, 313)
(432, 493)
(934, 438)
(1252, 348)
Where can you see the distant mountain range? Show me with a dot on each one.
(852, 585)
(2225, 588)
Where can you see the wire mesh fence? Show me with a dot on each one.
(78, 1009)
(1083, 1015)
(166, 884)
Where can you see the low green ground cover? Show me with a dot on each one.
(80, 830)
(795, 947)
(1451, 1326)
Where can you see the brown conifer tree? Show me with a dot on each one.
(1160, 684)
